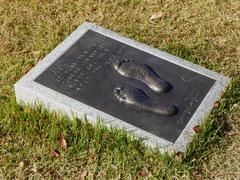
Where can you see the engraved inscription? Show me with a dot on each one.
(190, 103)
(76, 73)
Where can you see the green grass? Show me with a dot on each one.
(204, 32)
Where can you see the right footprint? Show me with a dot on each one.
(142, 73)
(138, 98)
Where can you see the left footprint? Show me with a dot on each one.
(142, 73)
(137, 98)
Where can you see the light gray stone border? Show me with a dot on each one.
(30, 92)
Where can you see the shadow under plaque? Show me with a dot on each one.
(85, 72)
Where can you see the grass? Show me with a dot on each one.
(204, 32)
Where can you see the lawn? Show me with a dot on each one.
(32, 140)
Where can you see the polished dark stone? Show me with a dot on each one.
(85, 72)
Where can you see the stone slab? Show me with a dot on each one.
(77, 78)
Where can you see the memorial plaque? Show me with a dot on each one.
(150, 93)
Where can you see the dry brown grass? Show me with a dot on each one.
(204, 32)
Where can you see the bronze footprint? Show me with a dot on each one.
(142, 73)
(139, 99)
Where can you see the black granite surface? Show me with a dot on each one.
(85, 73)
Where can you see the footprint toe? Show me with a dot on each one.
(118, 93)
(117, 64)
